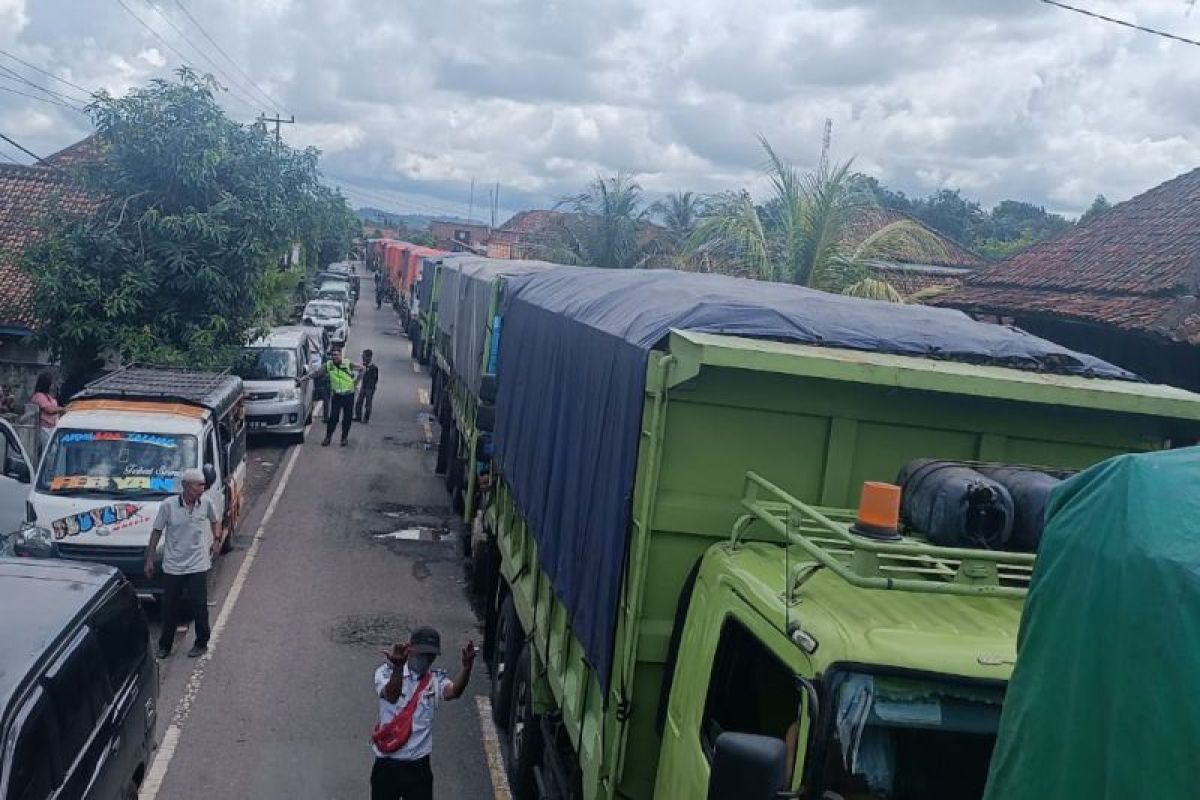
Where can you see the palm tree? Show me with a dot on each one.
(606, 229)
(799, 235)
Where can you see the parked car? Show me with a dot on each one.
(276, 401)
(330, 316)
(339, 291)
(78, 683)
(117, 453)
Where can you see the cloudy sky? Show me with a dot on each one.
(411, 100)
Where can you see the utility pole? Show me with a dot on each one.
(471, 204)
(263, 118)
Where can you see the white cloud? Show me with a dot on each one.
(1008, 98)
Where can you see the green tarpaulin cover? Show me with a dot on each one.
(1104, 702)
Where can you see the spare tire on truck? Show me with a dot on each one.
(953, 505)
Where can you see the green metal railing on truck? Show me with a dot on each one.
(909, 564)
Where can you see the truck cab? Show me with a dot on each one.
(118, 452)
(870, 692)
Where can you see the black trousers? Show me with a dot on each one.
(392, 779)
(341, 406)
(362, 406)
(196, 584)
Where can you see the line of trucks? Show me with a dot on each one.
(744, 540)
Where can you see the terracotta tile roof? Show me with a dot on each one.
(27, 194)
(83, 151)
(1135, 267)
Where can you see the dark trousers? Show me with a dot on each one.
(392, 779)
(341, 406)
(362, 406)
(196, 585)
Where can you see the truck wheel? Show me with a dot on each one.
(524, 731)
(508, 650)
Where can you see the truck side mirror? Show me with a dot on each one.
(210, 475)
(747, 767)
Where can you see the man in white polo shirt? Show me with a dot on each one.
(405, 774)
(191, 533)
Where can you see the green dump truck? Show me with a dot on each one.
(677, 606)
(465, 324)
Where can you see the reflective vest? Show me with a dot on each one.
(341, 378)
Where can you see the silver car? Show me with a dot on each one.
(329, 315)
(276, 402)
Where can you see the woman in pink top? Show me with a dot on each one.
(48, 407)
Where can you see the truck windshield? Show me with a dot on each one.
(268, 363)
(901, 739)
(116, 463)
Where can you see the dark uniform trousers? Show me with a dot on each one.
(393, 779)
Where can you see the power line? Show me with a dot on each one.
(232, 84)
(1122, 22)
(29, 153)
(278, 106)
(168, 45)
(9, 158)
(69, 101)
(46, 100)
(63, 81)
(378, 197)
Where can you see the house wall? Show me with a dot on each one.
(20, 364)
(447, 234)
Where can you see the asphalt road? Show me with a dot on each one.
(284, 705)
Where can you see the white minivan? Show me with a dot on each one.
(271, 367)
(117, 453)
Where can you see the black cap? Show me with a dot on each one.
(425, 640)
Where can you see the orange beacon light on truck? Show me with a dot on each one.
(878, 511)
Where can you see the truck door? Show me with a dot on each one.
(734, 673)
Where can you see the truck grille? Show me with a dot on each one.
(88, 552)
(261, 395)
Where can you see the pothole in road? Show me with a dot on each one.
(408, 444)
(377, 630)
(401, 510)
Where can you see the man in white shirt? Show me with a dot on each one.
(405, 774)
(191, 533)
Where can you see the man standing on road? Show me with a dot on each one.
(191, 533)
(405, 774)
(366, 388)
(342, 380)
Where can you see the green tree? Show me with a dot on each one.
(607, 224)
(180, 259)
(1098, 206)
(800, 234)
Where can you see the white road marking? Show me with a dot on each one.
(170, 741)
(491, 748)
(423, 396)
(416, 367)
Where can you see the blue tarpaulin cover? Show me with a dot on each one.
(571, 390)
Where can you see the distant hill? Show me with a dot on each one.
(391, 219)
